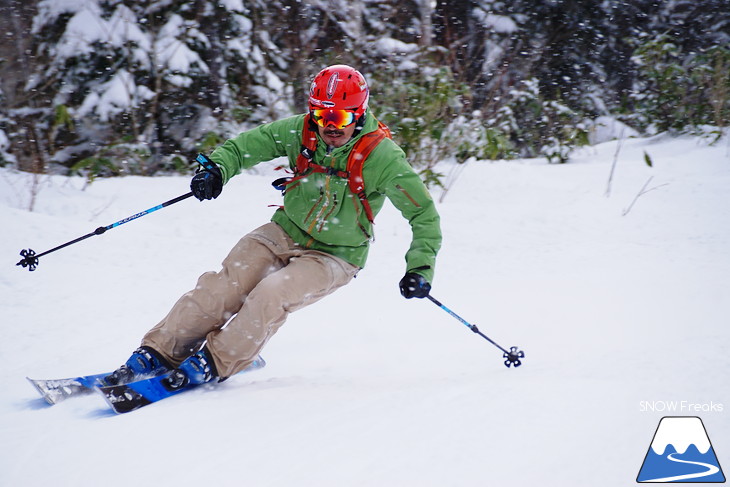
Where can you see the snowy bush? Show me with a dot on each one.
(5, 157)
(681, 92)
(540, 127)
(429, 113)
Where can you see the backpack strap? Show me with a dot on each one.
(309, 146)
(359, 153)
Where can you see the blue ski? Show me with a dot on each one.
(132, 396)
(57, 390)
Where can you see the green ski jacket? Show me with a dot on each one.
(320, 212)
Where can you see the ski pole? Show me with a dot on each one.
(30, 258)
(512, 357)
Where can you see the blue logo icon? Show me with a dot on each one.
(681, 452)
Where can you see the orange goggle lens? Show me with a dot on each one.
(339, 118)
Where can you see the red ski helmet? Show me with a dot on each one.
(339, 87)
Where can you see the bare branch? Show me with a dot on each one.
(643, 191)
(615, 160)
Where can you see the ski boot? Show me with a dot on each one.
(144, 362)
(197, 369)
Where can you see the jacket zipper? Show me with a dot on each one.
(403, 190)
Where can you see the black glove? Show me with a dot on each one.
(414, 286)
(208, 182)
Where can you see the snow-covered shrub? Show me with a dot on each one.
(679, 91)
(540, 127)
(429, 114)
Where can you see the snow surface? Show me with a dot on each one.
(366, 388)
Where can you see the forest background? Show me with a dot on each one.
(115, 87)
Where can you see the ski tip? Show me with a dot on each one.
(101, 393)
(49, 398)
(122, 399)
(258, 363)
(99, 389)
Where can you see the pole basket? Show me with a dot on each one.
(29, 259)
(513, 357)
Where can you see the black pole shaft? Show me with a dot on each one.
(72, 242)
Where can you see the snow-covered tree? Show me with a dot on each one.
(144, 81)
(129, 86)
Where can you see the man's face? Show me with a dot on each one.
(334, 136)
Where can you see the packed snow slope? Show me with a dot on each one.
(618, 313)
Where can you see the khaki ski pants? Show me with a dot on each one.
(265, 277)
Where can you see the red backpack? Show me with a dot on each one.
(353, 173)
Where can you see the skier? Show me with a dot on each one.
(314, 244)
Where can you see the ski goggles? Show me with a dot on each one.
(339, 118)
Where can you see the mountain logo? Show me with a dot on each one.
(681, 452)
